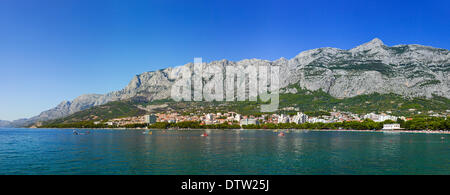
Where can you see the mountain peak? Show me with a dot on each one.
(374, 43)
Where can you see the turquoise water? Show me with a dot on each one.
(51, 151)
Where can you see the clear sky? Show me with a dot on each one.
(55, 50)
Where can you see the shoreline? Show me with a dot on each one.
(327, 130)
(387, 131)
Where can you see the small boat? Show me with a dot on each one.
(147, 132)
(204, 135)
(75, 132)
(281, 134)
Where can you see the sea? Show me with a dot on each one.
(222, 152)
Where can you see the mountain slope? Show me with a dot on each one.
(106, 111)
(373, 67)
(304, 100)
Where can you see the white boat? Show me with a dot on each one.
(392, 132)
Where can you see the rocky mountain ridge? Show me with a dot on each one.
(373, 67)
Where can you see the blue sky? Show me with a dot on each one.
(53, 50)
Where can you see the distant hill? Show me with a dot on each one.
(5, 123)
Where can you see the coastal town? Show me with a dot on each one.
(233, 118)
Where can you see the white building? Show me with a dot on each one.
(150, 119)
(317, 120)
(237, 117)
(387, 117)
(248, 121)
(209, 117)
(379, 117)
(283, 119)
(300, 118)
(391, 126)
